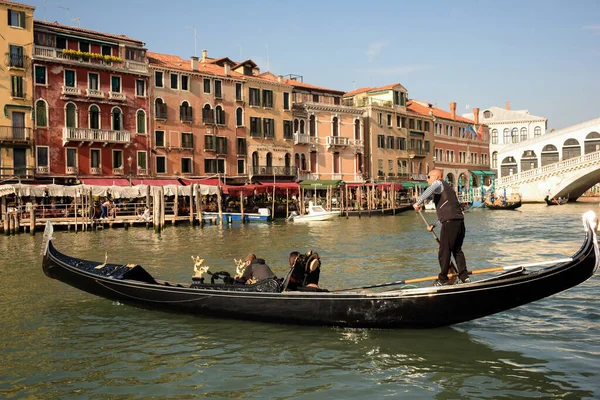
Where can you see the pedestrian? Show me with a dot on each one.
(452, 220)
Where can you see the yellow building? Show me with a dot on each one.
(16, 120)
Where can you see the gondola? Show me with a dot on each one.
(555, 202)
(402, 307)
(509, 205)
(376, 212)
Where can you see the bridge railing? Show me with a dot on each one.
(550, 169)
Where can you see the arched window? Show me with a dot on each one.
(160, 109)
(239, 117)
(571, 149)
(523, 134)
(494, 136)
(220, 115)
(141, 122)
(334, 122)
(506, 134)
(592, 142)
(302, 127)
(495, 160)
(528, 160)
(269, 159)
(303, 162)
(537, 131)
(312, 128)
(71, 116)
(297, 160)
(287, 160)
(117, 119)
(207, 115)
(255, 161)
(487, 114)
(508, 167)
(185, 112)
(357, 129)
(94, 117)
(514, 134)
(41, 113)
(549, 155)
(295, 125)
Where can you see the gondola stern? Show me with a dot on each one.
(590, 223)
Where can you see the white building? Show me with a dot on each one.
(508, 127)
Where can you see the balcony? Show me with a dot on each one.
(42, 170)
(71, 170)
(21, 172)
(14, 60)
(142, 171)
(12, 135)
(71, 91)
(264, 170)
(117, 96)
(118, 171)
(95, 93)
(337, 142)
(417, 153)
(308, 176)
(302, 138)
(104, 136)
(357, 144)
(53, 54)
(96, 170)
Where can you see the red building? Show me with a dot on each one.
(90, 104)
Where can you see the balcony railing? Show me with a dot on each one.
(21, 172)
(337, 141)
(51, 53)
(99, 94)
(72, 91)
(16, 60)
(277, 171)
(42, 170)
(95, 135)
(302, 138)
(118, 171)
(96, 170)
(160, 111)
(15, 134)
(417, 153)
(142, 171)
(71, 170)
(117, 96)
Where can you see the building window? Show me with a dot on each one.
(255, 127)
(206, 84)
(506, 134)
(495, 160)
(93, 81)
(95, 158)
(187, 140)
(335, 127)
(208, 115)
(16, 18)
(140, 88)
(514, 134)
(219, 115)
(115, 84)
(239, 117)
(268, 98)
(269, 127)
(40, 75)
(380, 141)
(401, 143)
(523, 134)
(254, 97)
(117, 159)
(390, 142)
(537, 131)
(160, 109)
(185, 112)
(71, 116)
(84, 47)
(241, 146)
(389, 120)
(312, 126)
(16, 57)
(70, 78)
(94, 119)
(288, 127)
(42, 156)
(41, 114)
(221, 145)
(161, 164)
(71, 157)
(212, 166)
(158, 79)
(239, 92)
(185, 82)
(218, 89)
(61, 42)
(16, 87)
(141, 160)
(186, 165)
(241, 166)
(315, 98)
(141, 122)
(174, 81)
(286, 101)
(210, 142)
(494, 136)
(117, 119)
(159, 138)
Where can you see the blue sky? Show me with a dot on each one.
(543, 56)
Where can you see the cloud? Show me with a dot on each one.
(375, 48)
(400, 69)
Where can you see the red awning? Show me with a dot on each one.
(156, 182)
(280, 186)
(208, 181)
(247, 190)
(105, 181)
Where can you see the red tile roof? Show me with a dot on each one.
(371, 90)
(357, 91)
(75, 29)
(296, 83)
(169, 61)
(14, 3)
(423, 110)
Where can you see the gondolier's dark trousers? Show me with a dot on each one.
(452, 236)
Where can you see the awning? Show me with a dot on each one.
(320, 184)
(489, 173)
(477, 172)
(105, 181)
(407, 185)
(247, 190)
(208, 181)
(156, 182)
(281, 186)
(387, 185)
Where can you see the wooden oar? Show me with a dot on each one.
(453, 269)
(475, 272)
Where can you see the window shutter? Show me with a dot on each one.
(9, 15)
(181, 112)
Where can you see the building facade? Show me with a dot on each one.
(90, 104)
(328, 136)
(461, 146)
(16, 93)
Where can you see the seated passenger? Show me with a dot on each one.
(256, 271)
(306, 269)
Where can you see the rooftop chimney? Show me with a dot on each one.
(453, 109)
(476, 115)
(204, 55)
(227, 69)
(279, 78)
(508, 105)
(194, 63)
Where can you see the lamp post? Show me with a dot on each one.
(129, 161)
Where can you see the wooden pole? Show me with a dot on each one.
(75, 209)
(347, 200)
(162, 208)
(359, 201)
(200, 202)
(393, 199)
(32, 220)
(191, 205)
(155, 210)
(176, 206)
(273, 204)
(382, 199)
(242, 205)
(287, 202)
(4, 216)
(220, 206)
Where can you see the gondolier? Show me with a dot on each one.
(452, 233)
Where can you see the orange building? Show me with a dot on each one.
(461, 146)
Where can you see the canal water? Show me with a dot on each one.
(58, 342)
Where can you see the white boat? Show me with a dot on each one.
(315, 213)
(430, 205)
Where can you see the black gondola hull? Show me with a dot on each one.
(427, 307)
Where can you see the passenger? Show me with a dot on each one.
(256, 271)
(145, 216)
(306, 270)
(452, 233)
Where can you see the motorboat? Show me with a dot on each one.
(314, 213)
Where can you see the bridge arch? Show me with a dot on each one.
(591, 143)
(549, 154)
(508, 166)
(529, 160)
(571, 148)
(450, 179)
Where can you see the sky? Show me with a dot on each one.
(542, 56)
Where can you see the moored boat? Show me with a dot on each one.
(315, 213)
(404, 307)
